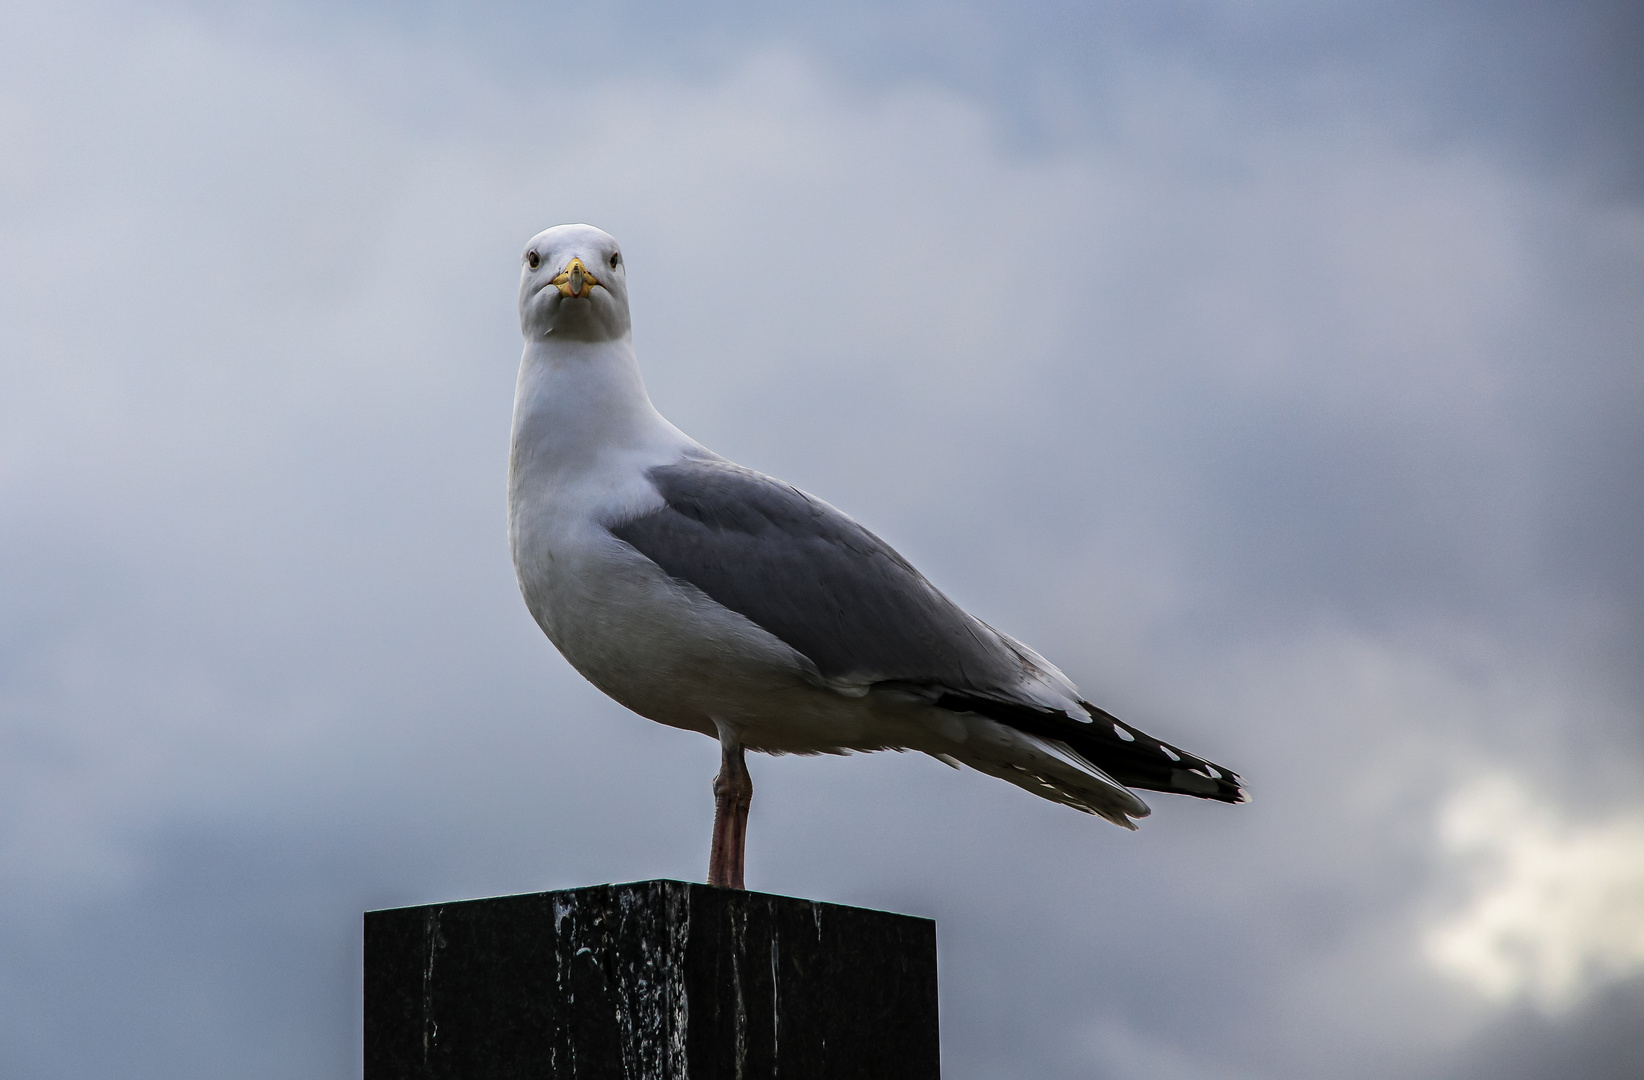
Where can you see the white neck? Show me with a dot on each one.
(577, 405)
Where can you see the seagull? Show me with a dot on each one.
(713, 598)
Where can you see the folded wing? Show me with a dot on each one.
(844, 599)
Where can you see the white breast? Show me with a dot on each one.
(585, 436)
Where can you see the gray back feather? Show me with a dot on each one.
(814, 578)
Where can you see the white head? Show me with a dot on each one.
(573, 286)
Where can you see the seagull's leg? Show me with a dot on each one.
(733, 792)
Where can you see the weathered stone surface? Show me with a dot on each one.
(656, 980)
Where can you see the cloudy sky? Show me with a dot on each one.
(1276, 369)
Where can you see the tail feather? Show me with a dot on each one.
(1050, 771)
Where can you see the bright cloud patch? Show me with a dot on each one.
(1558, 906)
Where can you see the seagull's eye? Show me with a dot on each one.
(533, 260)
(616, 257)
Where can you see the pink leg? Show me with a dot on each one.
(733, 792)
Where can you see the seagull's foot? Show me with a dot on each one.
(733, 794)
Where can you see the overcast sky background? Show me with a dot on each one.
(1276, 369)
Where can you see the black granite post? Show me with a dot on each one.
(656, 980)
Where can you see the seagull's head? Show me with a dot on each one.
(573, 285)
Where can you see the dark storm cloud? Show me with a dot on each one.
(1557, 84)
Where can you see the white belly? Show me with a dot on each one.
(668, 652)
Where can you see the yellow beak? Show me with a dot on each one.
(575, 280)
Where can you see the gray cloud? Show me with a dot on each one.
(1284, 398)
(1558, 87)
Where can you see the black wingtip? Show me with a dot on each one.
(1142, 761)
(1127, 754)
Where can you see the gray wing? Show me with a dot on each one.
(846, 600)
(814, 578)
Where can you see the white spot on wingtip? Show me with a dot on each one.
(1211, 769)
(1123, 734)
(1169, 753)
